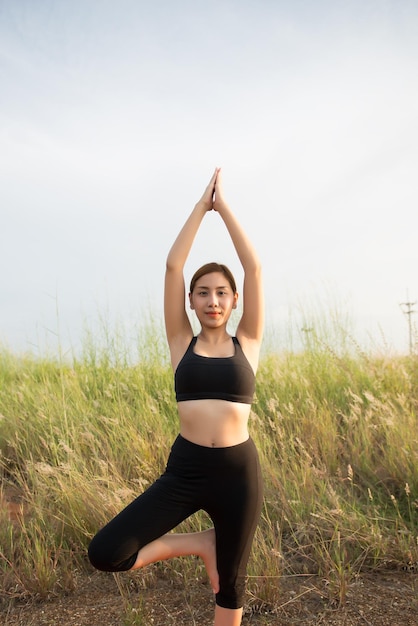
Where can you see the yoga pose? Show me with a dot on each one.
(213, 464)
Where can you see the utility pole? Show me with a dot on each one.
(408, 311)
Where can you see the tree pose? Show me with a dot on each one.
(213, 464)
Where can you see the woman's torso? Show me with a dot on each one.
(214, 395)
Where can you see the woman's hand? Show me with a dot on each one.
(207, 199)
(219, 200)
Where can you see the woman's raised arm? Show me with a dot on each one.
(250, 328)
(177, 323)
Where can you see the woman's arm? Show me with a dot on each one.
(177, 323)
(250, 328)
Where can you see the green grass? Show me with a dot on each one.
(337, 432)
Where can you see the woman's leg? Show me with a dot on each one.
(227, 617)
(235, 510)
(172, 545)
(138, 535)
(165, 504)
(201, 544)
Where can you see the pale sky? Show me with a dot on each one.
(114, 114)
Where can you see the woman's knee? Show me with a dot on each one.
(105, 556)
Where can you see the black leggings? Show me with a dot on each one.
(225, 482)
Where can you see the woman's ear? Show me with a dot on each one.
(191, 301)
(234, 306)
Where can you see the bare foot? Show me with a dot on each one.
(171, 545)
(208, 554)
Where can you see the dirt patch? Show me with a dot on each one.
(386, 599)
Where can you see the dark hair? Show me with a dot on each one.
(209, 268)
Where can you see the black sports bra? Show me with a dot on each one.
(200, 377)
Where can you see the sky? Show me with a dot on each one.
(113, 116)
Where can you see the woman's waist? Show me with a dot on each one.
(214, 423)
(192, 460)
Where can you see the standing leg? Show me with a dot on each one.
(235, 509)
(227, 617)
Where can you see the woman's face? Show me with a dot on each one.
(213, 299)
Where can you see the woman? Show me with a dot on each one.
(213, 464)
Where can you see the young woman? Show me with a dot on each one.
(213, 464)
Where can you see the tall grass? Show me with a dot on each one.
(337, 432)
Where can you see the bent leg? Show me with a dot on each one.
(138, 535)
(202, 544)
(159, 509)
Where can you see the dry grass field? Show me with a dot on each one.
(337, 431)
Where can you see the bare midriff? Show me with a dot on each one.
(214, 423)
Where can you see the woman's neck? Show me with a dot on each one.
(214, 337)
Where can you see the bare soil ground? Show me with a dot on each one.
(384, 599)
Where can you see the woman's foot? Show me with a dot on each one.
(202, 544)
(208, 554)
